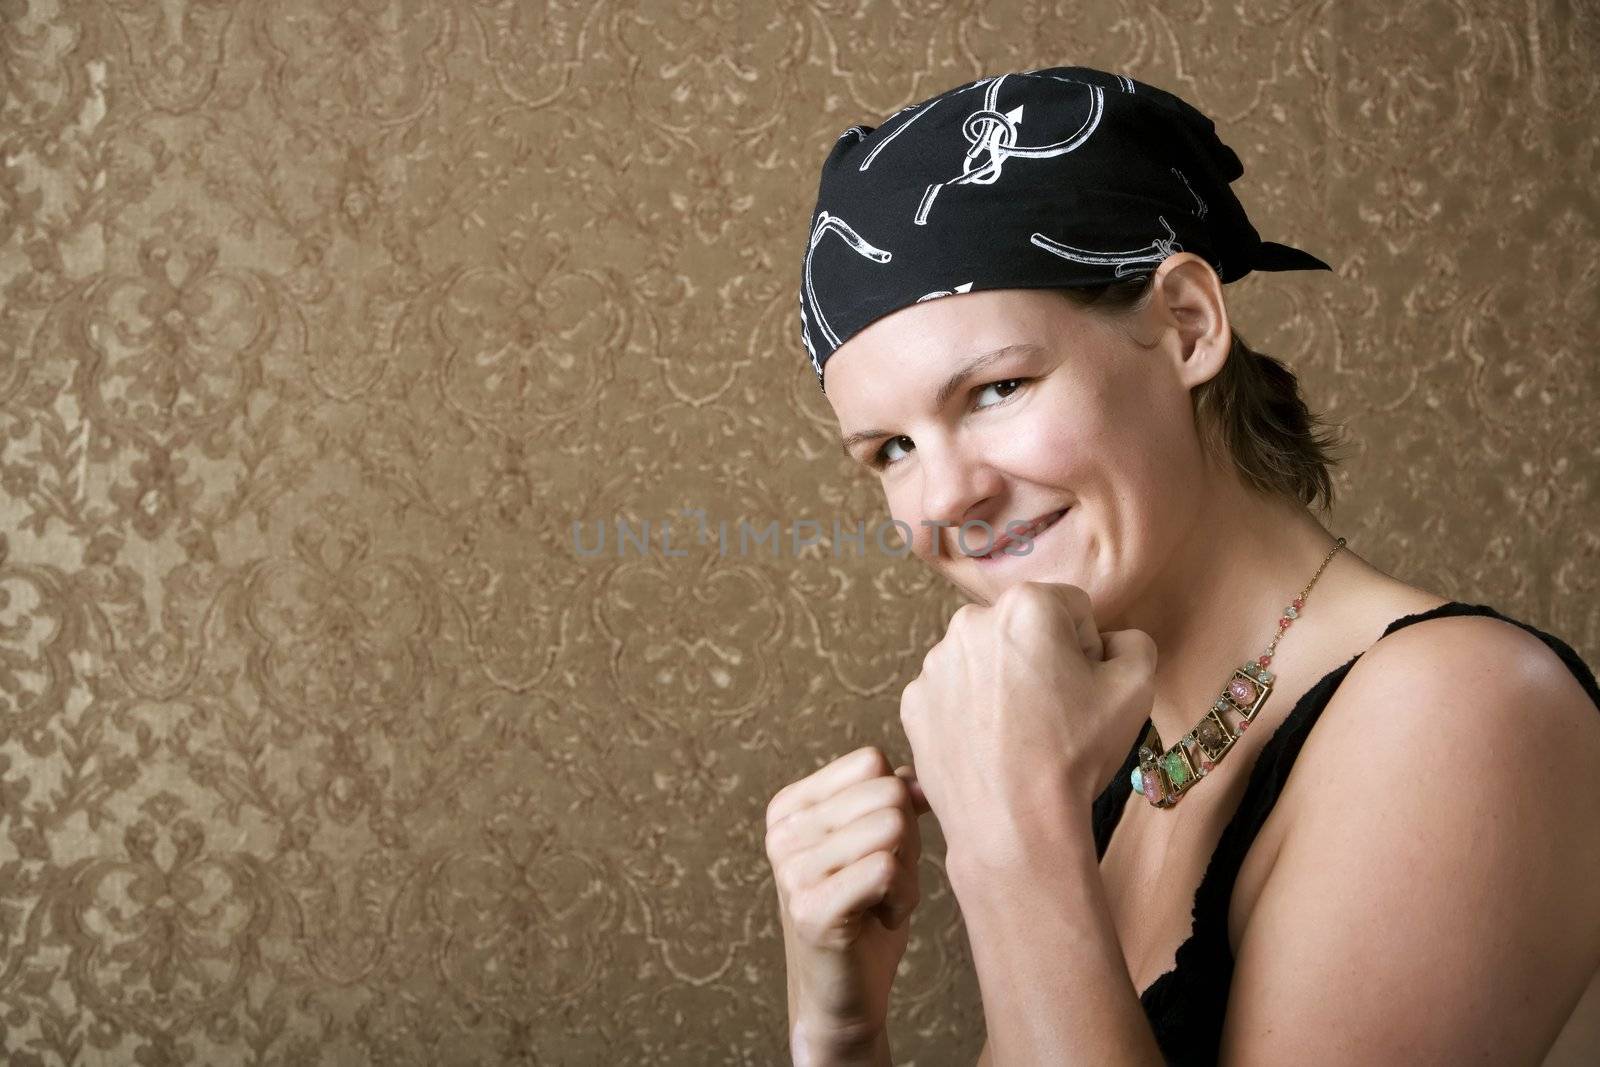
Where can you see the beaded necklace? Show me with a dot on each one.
(1165, 774)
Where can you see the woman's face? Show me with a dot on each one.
(1070, 414)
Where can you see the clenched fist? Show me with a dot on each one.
(1021, 715)
(844, 848)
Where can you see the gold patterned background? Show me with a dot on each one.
(324, 321)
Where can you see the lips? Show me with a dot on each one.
(1034, 528)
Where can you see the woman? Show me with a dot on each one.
(1012, 296)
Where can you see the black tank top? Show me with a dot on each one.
(1186, 1005)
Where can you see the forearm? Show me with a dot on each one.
(1054, 983)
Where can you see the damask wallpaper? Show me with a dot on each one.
(323, 737)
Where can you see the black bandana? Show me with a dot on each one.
(1065, 176)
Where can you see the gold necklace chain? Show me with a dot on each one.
(1164, 774)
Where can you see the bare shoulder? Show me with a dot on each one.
(1472, 688)
(1433, 893)
(1490, 676)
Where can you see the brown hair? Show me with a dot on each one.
(1251, 412)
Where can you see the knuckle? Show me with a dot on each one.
(784, 875)
(908, 698)
(873, 762)
(1024, 596)
(898, 791)
(769, 847)
(803, 913)
(883, 865)
(775, 808)
(1012, 593)
(777, 841)
(895, 823)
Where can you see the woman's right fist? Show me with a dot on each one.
(844, 848)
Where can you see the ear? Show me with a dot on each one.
(1187, 299)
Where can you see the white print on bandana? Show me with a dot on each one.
(964, 288)
(924, 107)
(1125, 262)
(1200, 214)
(831, 223)
(992, 134)
(1126, 82)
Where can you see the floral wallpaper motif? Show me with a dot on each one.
(322, 322)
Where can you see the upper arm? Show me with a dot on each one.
(1433, 899)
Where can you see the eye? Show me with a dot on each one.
(881, 460)
(1014, 382)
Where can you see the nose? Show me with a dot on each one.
(954, 481)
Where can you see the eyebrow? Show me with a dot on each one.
(962, 373)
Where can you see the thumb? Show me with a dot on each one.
(919, 799)
(1136, 646)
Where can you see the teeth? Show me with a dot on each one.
(1027, 531)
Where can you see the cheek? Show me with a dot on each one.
(903, 506)
(1058, 457)
(1065, 449)
(1124, 465)
(1142, 432)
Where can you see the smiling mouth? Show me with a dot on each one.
(1033, 529)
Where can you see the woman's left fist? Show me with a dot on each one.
(1024, 712)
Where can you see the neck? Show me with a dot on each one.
(1217, 602)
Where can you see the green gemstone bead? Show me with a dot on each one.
(1177, 770)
